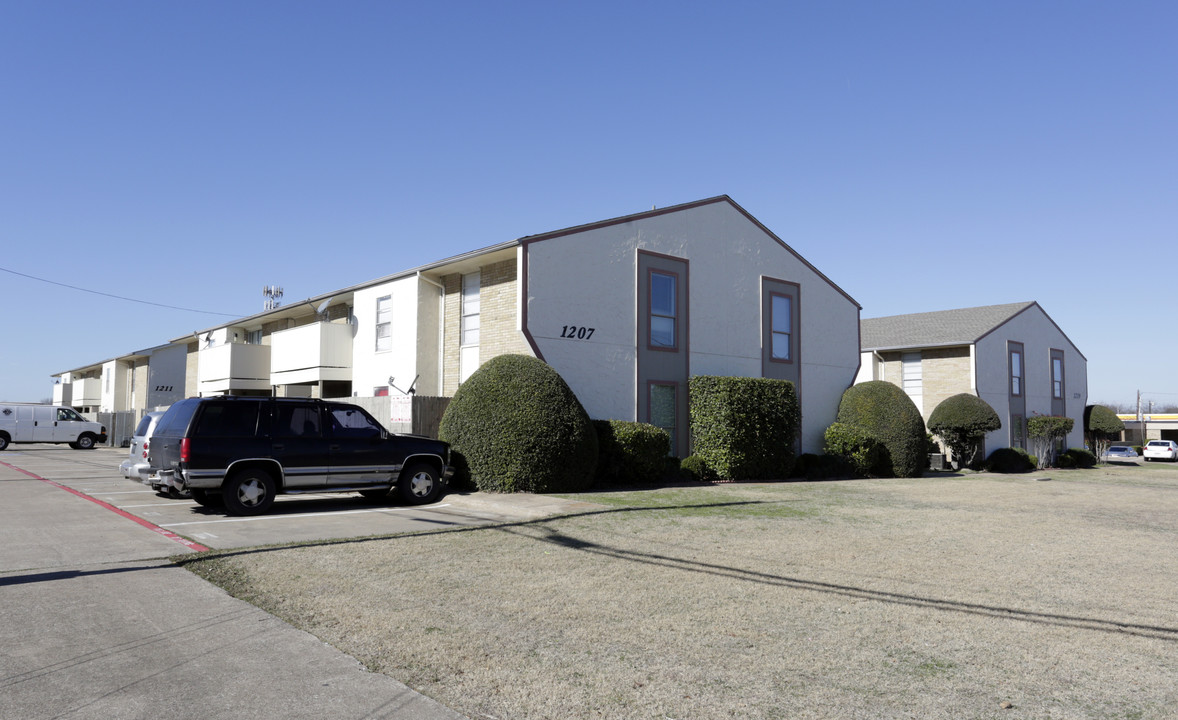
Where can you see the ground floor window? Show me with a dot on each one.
(1018, 432)
(664, 409)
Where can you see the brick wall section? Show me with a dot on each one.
(451, 327)
(190, 369)
(139, 391)
(944, 372)
(498, 335)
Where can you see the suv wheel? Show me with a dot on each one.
(249, 492)
(85, 442)
(419, 484)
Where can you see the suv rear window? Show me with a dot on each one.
(228, 419)
(176, 419)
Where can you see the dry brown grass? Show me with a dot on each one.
(943, 597)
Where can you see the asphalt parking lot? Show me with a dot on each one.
(94, 474)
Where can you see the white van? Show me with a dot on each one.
(26, 423)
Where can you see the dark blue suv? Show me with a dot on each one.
(243, 451)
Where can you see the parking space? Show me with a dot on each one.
(94, 474)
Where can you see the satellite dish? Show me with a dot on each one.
(322, 307)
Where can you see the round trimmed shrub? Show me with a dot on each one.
(1077, 458)
(859, 451)
(519, 428)
(630, 453)
(695, 468)
(1011, 460)
(962, 421)
(883, 411)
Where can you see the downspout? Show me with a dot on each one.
(441, 359)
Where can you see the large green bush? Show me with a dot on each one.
(961, 421)
(860, 452)
(744, 428)
(519, 428)
(883, 411)
(630, 453)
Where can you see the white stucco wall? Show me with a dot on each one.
(589, 279)
(1039, 335)
(371, 369)
(165, 380)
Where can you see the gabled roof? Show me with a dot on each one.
(943, 328)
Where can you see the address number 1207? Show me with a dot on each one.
(577, 332)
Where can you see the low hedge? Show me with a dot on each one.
(1011, 460)
(1076, 458)
(859, 452)
(630, 453)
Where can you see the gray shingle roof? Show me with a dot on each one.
(935, 329)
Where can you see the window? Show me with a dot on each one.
(1018, 432)
(295, 420)
(384, 323)
(781, 324)
(67, 415)
(470, 309)
(912, 378)
(253, 337)
(1057, 378)
(663, 411)
(662, 310)
(1016, 372)
(228, 419)
(353, 423)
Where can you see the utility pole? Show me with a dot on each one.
(1140, 418)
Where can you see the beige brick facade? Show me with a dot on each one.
(498, 312)
(945, 372)
(140, 374)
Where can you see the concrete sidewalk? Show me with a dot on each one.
(96, 623)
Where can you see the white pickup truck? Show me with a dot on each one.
(29, 423)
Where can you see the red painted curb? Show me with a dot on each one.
(150, 526)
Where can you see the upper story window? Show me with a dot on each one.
(1057, 377)
(781, 326)
(470, 309)
(663, 315)
(1016, 370)
(253, 337)
(384, 323)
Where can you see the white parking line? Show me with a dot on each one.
(124, 492)
(299, 515)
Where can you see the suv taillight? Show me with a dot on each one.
(184, 450)
(144, 449)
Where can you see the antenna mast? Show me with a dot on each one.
(273, 295)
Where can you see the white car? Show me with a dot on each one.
(1161, 450)
(136, 466)
(1121, 452)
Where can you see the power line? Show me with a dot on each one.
(117, 297)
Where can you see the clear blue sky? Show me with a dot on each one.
(923, 155)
